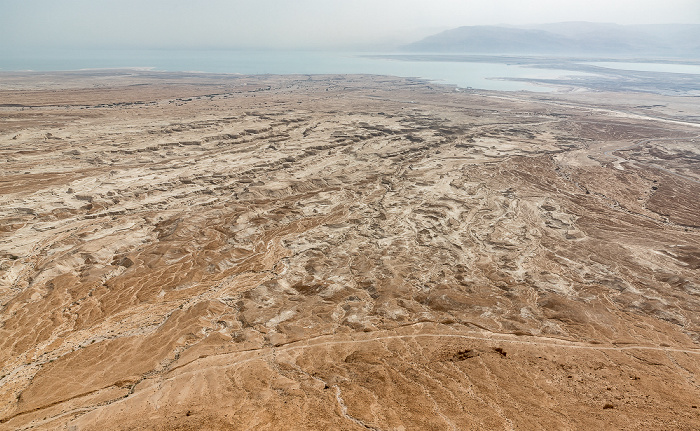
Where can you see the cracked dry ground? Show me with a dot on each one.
(356, 252)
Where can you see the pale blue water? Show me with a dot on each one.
(463, 74)
(650, 67)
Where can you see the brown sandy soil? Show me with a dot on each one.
(344, 252)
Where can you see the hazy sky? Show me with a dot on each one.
(296, 23)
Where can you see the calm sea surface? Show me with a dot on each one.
(487, 76)
(651, 67)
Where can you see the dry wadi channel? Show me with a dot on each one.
(193, 251)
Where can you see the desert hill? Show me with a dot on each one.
(193, 251)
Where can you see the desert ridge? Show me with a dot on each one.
(196, 251)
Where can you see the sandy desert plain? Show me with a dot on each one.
(193, 251)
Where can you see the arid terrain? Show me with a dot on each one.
(192, 251)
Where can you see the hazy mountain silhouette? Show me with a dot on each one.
(567, 38)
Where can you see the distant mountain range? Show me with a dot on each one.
(567, 38)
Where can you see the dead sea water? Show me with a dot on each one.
(487, 76)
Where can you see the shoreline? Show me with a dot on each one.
(466, 71)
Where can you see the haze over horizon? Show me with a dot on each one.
(304, 24)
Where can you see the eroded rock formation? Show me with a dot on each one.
(196, 251)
